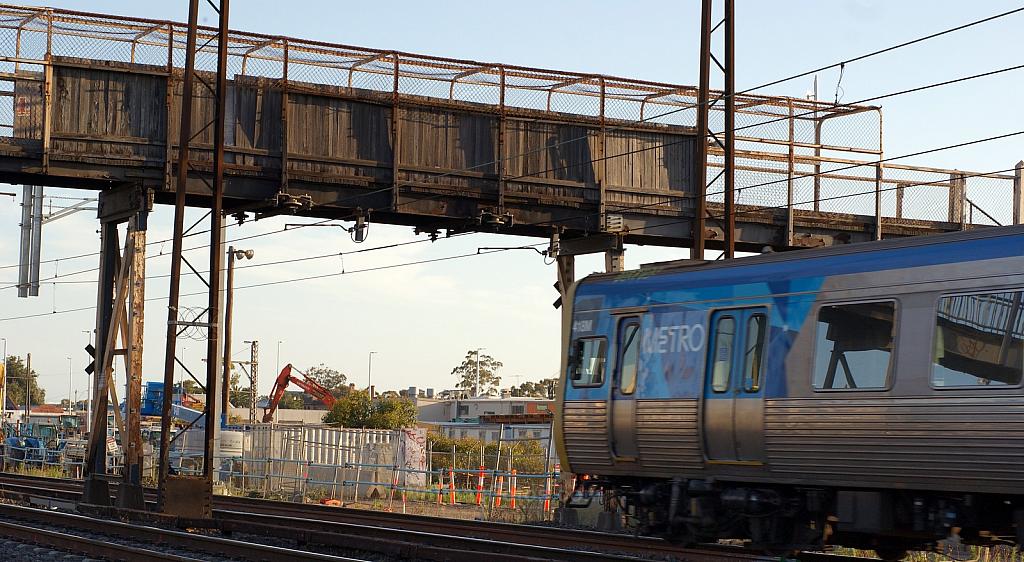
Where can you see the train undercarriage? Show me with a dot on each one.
(779, 519)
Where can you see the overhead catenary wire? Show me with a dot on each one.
(50, 280)
(479, 252)
(902, 185)
(839, 64)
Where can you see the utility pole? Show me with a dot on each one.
(3, 392)
(254, 367)
(704, 134)
(229, 303)
(28, 387)
(730, 131)
(279, 342)
(369, 372)
(477, 390)
(71, 386)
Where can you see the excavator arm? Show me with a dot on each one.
(307, 384)
(277, 393)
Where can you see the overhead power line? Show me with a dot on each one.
(902, 185)
(479, 252)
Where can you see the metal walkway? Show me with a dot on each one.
(92, 101)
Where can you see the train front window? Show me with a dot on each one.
(979, 340)
(854, 346)
(588, 362)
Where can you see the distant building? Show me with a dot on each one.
(469, 410)
(487, 419)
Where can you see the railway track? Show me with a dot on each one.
(115, 540)
(421, 537)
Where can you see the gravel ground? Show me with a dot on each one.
(20, 552)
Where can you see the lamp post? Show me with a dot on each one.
(229, 304)
(477, 390)
(71, 386)
(369, 372)
(279, 342)
(3, 390)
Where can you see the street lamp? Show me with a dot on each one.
(369, 372)
(477, 389)
(3, 389)
(279, 342)
(233, 254)
(71, 386)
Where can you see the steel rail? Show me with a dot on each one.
(83, 545)
(166, 537)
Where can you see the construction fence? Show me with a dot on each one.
(510, 479)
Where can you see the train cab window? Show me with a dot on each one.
(588, 362)
(854, 346)
(630, 358)
(721, 365)
(753, 354)
(979, 341)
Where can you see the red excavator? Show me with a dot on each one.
(307, 384)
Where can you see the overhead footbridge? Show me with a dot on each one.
(335, 131)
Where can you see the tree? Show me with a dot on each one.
(357, 409)
(467, 372)
(292, 401)
(544, 388)
(234, 386)
(17, 377)
(241, 398)
(333, 380)
(190, 387)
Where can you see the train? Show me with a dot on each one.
(866, 395)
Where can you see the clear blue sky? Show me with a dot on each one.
(422, 319)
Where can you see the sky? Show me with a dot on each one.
(422, 319)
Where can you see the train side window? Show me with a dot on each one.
(630, 358)
(588, 362)
(979, 340)
(753, 354)
(854, 346)
(721, 363)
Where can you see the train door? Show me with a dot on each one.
(623, 389)
(733, 418)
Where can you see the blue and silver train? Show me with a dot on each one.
(867, 395)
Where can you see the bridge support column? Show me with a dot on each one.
(614, 260)
(129, 494)
(119, 276)
(95, 489)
